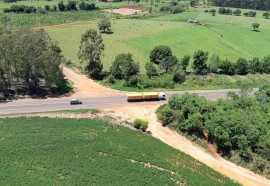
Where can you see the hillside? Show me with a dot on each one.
(43, 151)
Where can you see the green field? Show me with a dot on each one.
(227, 36)
(43, 151)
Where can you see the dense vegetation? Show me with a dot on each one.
(70, 6)
(43, 151)
(249, 4)
(164, 69)
(239, 127)
(29, 62)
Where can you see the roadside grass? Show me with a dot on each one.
(75, 111)
(227, 36)
(50, 151)
(209, 82)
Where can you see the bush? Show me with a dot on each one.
(206, 11)
(165, 9)
(179, 76)
(140, 124)
(164, 114)
(237, 12)
(134, 81)
(176, 10)
(110, 79)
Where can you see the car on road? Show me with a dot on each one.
(75, 102)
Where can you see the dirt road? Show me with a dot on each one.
(179, 142)
(85, 87)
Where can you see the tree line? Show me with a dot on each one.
(249, 4)
(70, 6)
(29, 62)
(163, 63)
(239, 127)
(164, 69)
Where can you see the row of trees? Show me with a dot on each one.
(162, 62)
(248, 4)
(29, 62)
(239, 127)
(70, 6)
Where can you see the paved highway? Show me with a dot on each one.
(53, 104)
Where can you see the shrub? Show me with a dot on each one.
(179, 76)
(134, 81)
(206, 11)
(237, 12)
(110, 79)
(164, 114)
(140, 124)
(176, 10)
(137, 123)
(165, 9)
(144, 126)
(266, 15)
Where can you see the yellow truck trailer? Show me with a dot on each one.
(145, 96)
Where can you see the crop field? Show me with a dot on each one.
(227, 36)
(43, 151)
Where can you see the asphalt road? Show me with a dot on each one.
(54, 104)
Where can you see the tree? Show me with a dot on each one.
(61, 6)
(185, 62)
(241, 66)
(27, 56)
(255, 26)
(266, 64)
(237, 12)
(199, 63)
(179, 76)
(168, 63)
(255, 66)
(124, 67)
(104, 25)
(213, 64)
(90, 51)
(193, 3)
(71, 6)
(227, 67)
(159, 53)
(151, 70)
(266, 15)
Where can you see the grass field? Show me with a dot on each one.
(43, 151)
(228, 36)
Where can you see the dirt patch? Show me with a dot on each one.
(85, 87)
(126, 11)
(135, 7)
(65, 24)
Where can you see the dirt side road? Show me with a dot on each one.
(85, 87)
(179, 142)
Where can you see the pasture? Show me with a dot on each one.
(44, 151)
(227, 36)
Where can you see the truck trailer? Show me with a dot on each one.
(145, 96)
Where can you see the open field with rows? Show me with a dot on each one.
(227, 36)
(43, 151)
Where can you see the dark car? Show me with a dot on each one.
(75, 102)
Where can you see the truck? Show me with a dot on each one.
(145, 96)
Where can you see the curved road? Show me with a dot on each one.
(52, 104)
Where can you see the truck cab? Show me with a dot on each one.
(161, 96)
